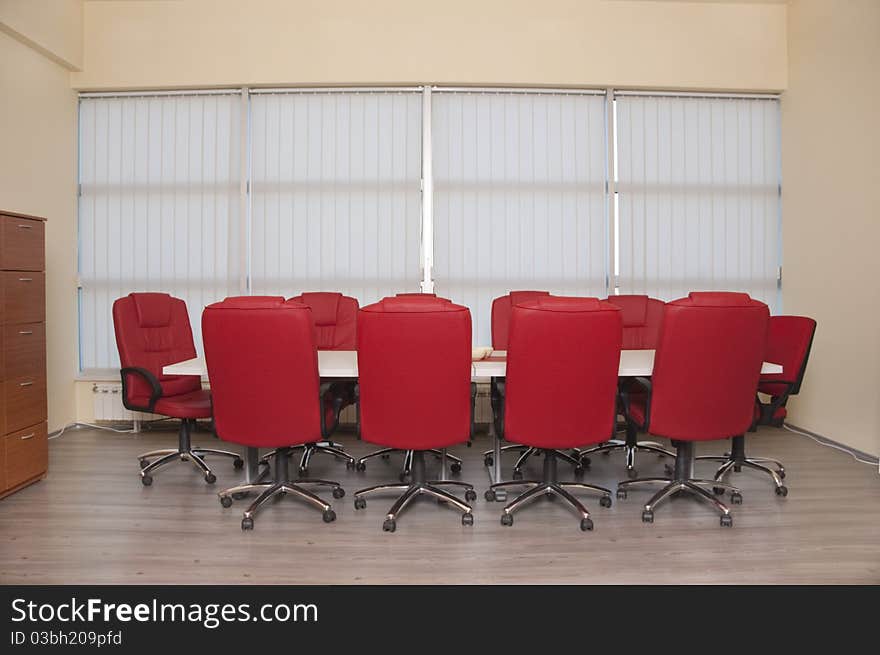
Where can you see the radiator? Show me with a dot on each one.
(109, 407)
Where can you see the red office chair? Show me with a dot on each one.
(502, 307)
(263, 367)
(540, 362)
(152, 330)
(385, 453)
(789, 340)
(642, 317)
(706, 371)
(398, 338)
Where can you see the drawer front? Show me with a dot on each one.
(24, 297)
(25, 400)
(21, 244)
(24, 351)
(27, 454)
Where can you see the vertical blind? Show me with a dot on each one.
(519, 196)
(336, 201)
(698, 183)
(159, 206)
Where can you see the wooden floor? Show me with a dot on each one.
(91, 521)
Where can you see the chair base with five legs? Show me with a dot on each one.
(406, 472)
(184, 452)
(418, 487)
(281, 486)
(308, 451)
(736, 459)
(683, 482)
(630, 446)
(549, 486)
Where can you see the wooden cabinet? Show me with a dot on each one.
(24, 446)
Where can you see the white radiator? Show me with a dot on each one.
(109, 407)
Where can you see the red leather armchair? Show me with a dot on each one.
(706, 370)
(393, 335)
(535, 413)
(153, 330)
(789, 340)
(279, 407)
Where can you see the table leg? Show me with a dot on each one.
(443, 465)
(495, 470)
(251, 465)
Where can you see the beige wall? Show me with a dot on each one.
(38, 176)
(190, 43)
(831, 182)
(52, 27)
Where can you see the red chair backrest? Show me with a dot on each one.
(414, 367)
(707, 366)
(153, 330)
(501, 308)
(263, 366)
(789, 339)
(642, 317)
(335, 319)
(561, 346)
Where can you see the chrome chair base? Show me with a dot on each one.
(309, 450)
(549, 486)
(278, 488)
(527, 452)
(683, 482)
(406, 471)
(736, 459)
(419, 486)
(630, 446)
(183, 453)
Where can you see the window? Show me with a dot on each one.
(159, 207)
(519, 196)
(698, 182)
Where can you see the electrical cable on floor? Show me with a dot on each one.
(828, 444)
(108, 428)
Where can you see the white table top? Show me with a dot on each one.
(343, 364)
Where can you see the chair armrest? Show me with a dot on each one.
(155, 387)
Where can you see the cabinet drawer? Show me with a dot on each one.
(27, 454)
(24, 297)
(25, 400)
(21, 244)
(24, 348)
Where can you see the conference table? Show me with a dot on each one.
(342, 364)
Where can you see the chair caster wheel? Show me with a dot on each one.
(359, 503)
(736, 498)
(586, 462)
(389, 525)
(210, 478)
(488, 461)
(247, 524)
(385, 456)
(455, 467)
(489, 495)
(579, 470)
(467, 519)
(782, 474)
(727, 521)
(226, 501)
(237, 463)
(718, 491)
(507, 519)
(647, 516)
(146, 480)
(470, 495)
(360, 466)
(143, 463)
(338, 492)
(329, 516)
(586, 524)
(782, 491)
(621, 494)
(631, 473)
(302, 472)
(349, 464)
(605, 501)
(517, 475)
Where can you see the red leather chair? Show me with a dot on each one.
(706, 370)
(789, 340)
(153, 330)
(398, 338)
(540, 362)
(642, 317)
(263, 366)
(502, 307)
